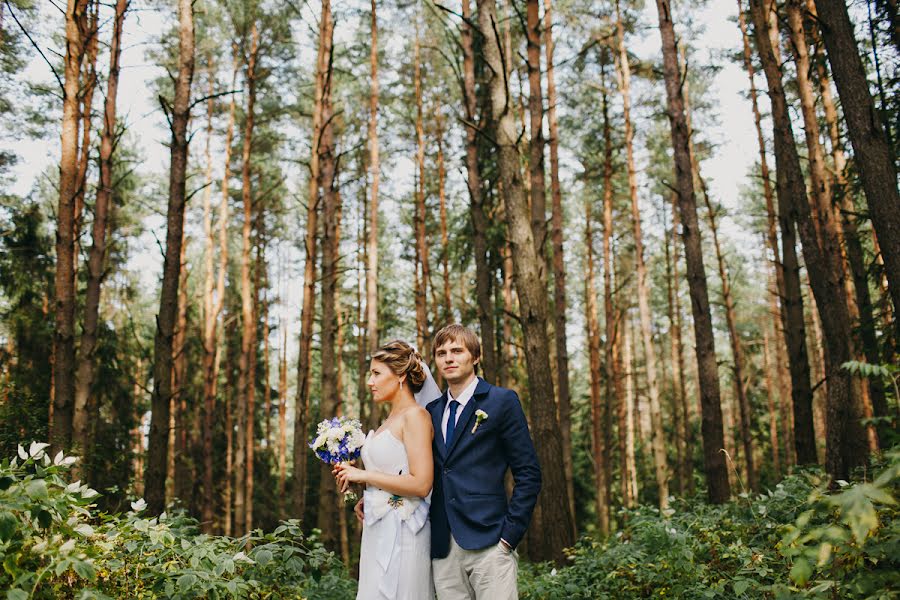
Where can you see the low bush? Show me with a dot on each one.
(797, 540)
(53, 546)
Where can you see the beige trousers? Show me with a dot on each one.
(487, 574)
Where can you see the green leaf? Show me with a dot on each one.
(800, 572)
(740, 586)
(44, 518)
(186, 581)
(8, 524)
(37, 489)
(16, 594)
(85, 570)
(263, 557)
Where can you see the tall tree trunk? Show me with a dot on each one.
(231, 394)
(710, 398)
(687, 433)
(825, 272)
(154, 478)
(483, 276)
(773, 410)
(84, 377)
(852, 243)
(371, 248)
(598, 433)
(179, 461)
(329, 404)
(282, 418)
(675, 360)
(213, 305)
(737, 353)
(88, 85)
(423, 273)
(787, 277)
(64, 281)
(552, 528)
(536, 120)
(246, 387)
(559, 265)
(307, 319)
(442, 199)
(868, 136)
(658, 442)
(831, 235)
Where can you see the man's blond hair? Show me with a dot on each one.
(458, 333)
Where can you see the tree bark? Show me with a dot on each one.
(423, 272)
(483, 276)
(329, 404)
(307, 318)
(773, 410)
(822, 260)
(282, 418)
(371, 244)
(84, 376)
(214, 294)
(246, 388)
(442, 200)
(552, 528)
(559, 265)
(154, 478)
(687, 432)
(64, 280)
(737, 353)
(536, 119)
(598, 432)
(677, 365)
(851, 239)
(787, 277)
(658, 442)
(710, 398)
(874, 158)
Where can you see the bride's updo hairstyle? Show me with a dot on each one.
(402, 359)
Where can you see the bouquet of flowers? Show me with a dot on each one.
(338, 440)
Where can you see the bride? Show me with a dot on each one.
(394, 559)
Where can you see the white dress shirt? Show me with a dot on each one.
(463, 399)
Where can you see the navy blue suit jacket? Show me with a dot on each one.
(469, 497)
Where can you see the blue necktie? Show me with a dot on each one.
(451, 423)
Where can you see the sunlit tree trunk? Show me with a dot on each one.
(84, 378)
(282, 418)
(537, 177)
(852, 243)
(423, 274)
(178, 477)
(559, 265)
(787, 275)
(64, 281)
(773, 408)
(677, 364)
(551, 528)
(371, 243)
(710, 398)
(307, 318)
(874, 158)
(246, 387)
(658, 442)
(483, 276)
(88, 86)
(214, 300)
(822, 259)
(329, 404)
(154, 478)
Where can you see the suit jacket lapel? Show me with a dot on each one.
(437, 414)
(462, 424)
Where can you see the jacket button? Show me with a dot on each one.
(446, 471)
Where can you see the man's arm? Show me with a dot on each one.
(526, 471)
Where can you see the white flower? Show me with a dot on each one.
(319, 441)
(36, 450)
(480, 416)
(240, 556)
(73, 487)
(139, 505)
(22, 454)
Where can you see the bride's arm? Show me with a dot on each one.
(417, 436)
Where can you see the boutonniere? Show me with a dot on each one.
(480, 416)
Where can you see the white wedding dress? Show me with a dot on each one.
(395, 556)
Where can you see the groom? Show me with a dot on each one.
(479, 432)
